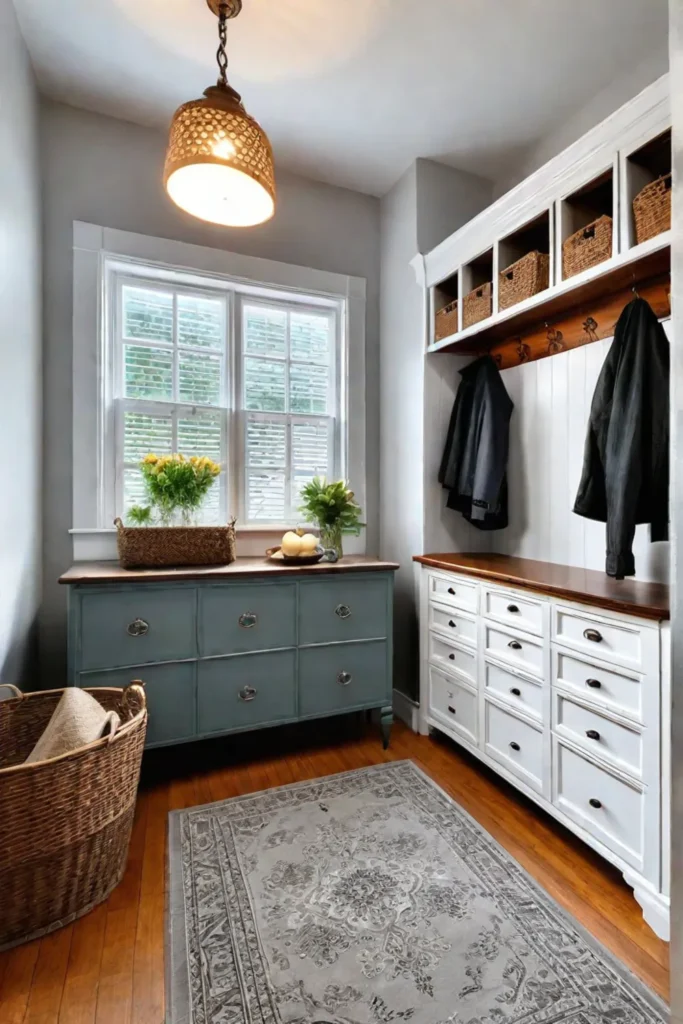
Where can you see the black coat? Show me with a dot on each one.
(626, 462)
(476, 452)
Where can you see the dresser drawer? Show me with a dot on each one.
(523, 613)
(246, 691)
(608, 808)
(619, 642)
(342, 677)
(454, 591)
(517, 649)
(520, 693)
(239, 618)
(514, 743)
(170, 692)
(599, 735)
(348, 608)
(454, 624)
(454, 705)
(607, 686)
(136, 626)
(446, 654)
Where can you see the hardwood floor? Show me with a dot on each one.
(108, 968)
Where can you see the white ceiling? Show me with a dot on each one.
(352, 91)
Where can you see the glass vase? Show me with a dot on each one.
(331, 540)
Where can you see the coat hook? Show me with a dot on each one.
(634, 289)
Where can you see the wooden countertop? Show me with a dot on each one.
(648, 600)
(111, 572)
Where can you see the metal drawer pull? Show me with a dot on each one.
(343, 611)
(594, 684)
(515, 645)
(513, 608)
(515, 746)
(344, 678)
(592, 634)
(248, 620)
(593, 734)
(451, 709)
(138, 627)
(516, 692)
(452, 624)
(595, 803)
(451, 591)
(247, 693)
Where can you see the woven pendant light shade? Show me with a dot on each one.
(219, 163)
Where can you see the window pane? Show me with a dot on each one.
(266, 444)
(134, 492)
(143, 434)
(200, 321)
(308, 389)
(199, 378)
(310, 337)
(266, 496)
(147, 314)
(266, 458)
(265, 331)
(310, 455)
(264, 385)
(201, 435)
(148, 372)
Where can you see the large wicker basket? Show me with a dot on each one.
(477, 305)
(446, 321)
(587, 247)
(152, 547)
(65, 823)
(523, 279)
(652, 209)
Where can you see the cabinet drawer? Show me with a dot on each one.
(454, 591)
(608, 808)
(448, 655)
(237, 619)
(520, 612)
(608, 639)
(347, 608)
(136, 626)
(170, 691)
(454, 624)
(343, 676)
(520, 693)
(453, 704)
(516, 649)
(599, 735)
(606, 686)
(514, 743)
(246, 691)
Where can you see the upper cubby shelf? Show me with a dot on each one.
(589, 223)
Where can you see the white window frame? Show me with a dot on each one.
(100, 252)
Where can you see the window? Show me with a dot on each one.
(250, 378)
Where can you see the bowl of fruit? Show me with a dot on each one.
(297, 548)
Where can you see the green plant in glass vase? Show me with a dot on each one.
(176, 487)
(333, 509)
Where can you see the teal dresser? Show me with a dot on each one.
(239, 647)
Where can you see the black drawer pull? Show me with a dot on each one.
(451, 657)
(452, 624)
(595, 803)
(515, 746)
(451, 591)
(516, 692)
(138, 627)
(515, 645)
(451, 709)
(594, 684)
(592, 634)
(593, 734)
(513, 608)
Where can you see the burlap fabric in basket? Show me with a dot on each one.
(65, 823)
(149, 547)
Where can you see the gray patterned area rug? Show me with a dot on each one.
(371, 897)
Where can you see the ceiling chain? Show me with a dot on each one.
(221, 54)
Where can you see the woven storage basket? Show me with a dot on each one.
(652, 209)
(477, 305)
(149, 547)
(446, 321)
(65, 823)
(523, 279)
(587, 247)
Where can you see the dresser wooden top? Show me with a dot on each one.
(648, 600)
(111, 572)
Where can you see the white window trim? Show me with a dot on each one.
(94, 249)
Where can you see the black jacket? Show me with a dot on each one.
(476, 452)
(626, 462)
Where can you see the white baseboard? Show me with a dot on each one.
(406, 709)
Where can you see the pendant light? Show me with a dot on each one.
(219, 162)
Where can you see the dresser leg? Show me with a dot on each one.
(386, 722)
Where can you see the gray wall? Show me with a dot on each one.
(108, 172)
(20, 357)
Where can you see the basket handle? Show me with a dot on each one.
(479, 292)
(509, 275)
(118, 523)
(589, 232)
(137, 685)
(16, 692)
